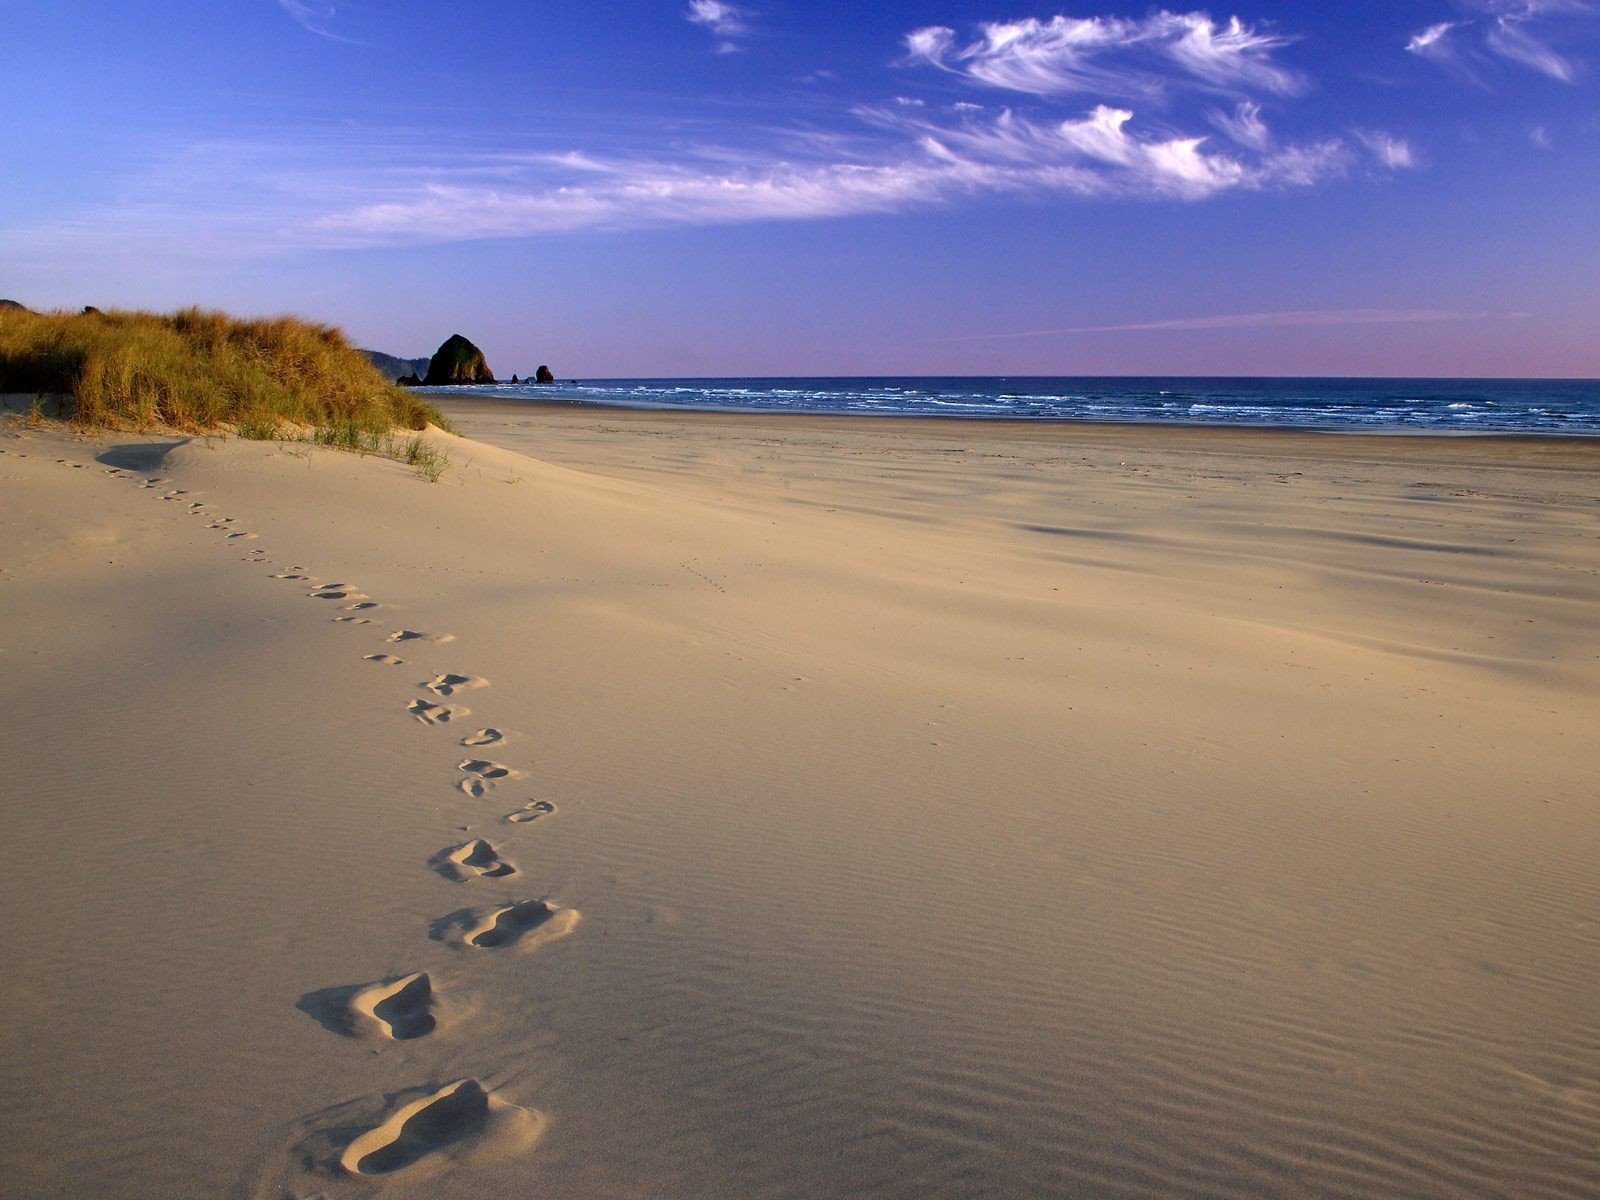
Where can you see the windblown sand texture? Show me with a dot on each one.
(953, 810)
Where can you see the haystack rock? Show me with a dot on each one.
(542, 375)
(457, 361)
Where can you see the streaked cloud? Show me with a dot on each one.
(1244, 125)
(1519, 32)
(1394, 153)
(728, 23)
(1297, 319)
(1111, 56)
(314, 16)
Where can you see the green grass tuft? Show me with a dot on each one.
(198, 370)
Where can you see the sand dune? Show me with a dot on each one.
(953, 810)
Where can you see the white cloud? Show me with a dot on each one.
(1244, 125)
(728, 23)
(1521, 32)
(1432, 39)
(1295, 319)
(1510, 37)
(1100, 154)
(314, 16)
(1394, 153)
(1111, 56)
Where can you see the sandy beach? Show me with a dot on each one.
(750, 806)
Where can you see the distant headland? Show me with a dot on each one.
(457, 361)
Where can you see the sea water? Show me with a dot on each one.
(1374, 405)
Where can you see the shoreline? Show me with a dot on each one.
(1582, 448)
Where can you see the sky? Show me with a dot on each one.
(697, 187)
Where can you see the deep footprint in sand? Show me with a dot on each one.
(531, 811)
(361, 606)
(484, 769)
(336, 591)
(477, 859)
(435, 714)
(353, 620)
(412, 635)
(387, 660)
(484, 737)
(398, 1009)
(482, 775)
(527, 924)
(449, 685)
(240, 534)
(457, 1122)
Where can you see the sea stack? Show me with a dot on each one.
(457, 361)
(543, 375)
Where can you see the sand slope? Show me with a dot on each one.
(950, 812)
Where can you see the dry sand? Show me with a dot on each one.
(825, 808)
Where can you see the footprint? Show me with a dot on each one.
(484, 769)
(528, 923)
(473, 860)
(387, 660)
(287, 575)
(448, 685)
(476, 788)
(353, 620)
(457, 1122)
(361, 605)
(433, 714)
(531, 811)
(336, 591)
(220, 523)
(484, 737)
(411, 635)
(241, 534)
(398, 1009)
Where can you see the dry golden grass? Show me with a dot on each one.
(196, 369)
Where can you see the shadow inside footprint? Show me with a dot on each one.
(448, 685)
(430, 713)
(484, 769)
(398, 1009)
(527, 923)
(477, 859)
(449, 1121)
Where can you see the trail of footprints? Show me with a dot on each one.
(456, 1122)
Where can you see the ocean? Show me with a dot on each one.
(1439, 406)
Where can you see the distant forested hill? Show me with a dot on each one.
(392, 368)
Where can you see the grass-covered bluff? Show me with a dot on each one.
(199, 370)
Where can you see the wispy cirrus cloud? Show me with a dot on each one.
(728, 23)
(1294, 319)
(1243, 125)
(904, 154)
(1111, 56)
(1394, 153)
(314, 16)
(1520, 32)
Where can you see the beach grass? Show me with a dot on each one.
(198, 370)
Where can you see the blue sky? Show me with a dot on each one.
(698, 187)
